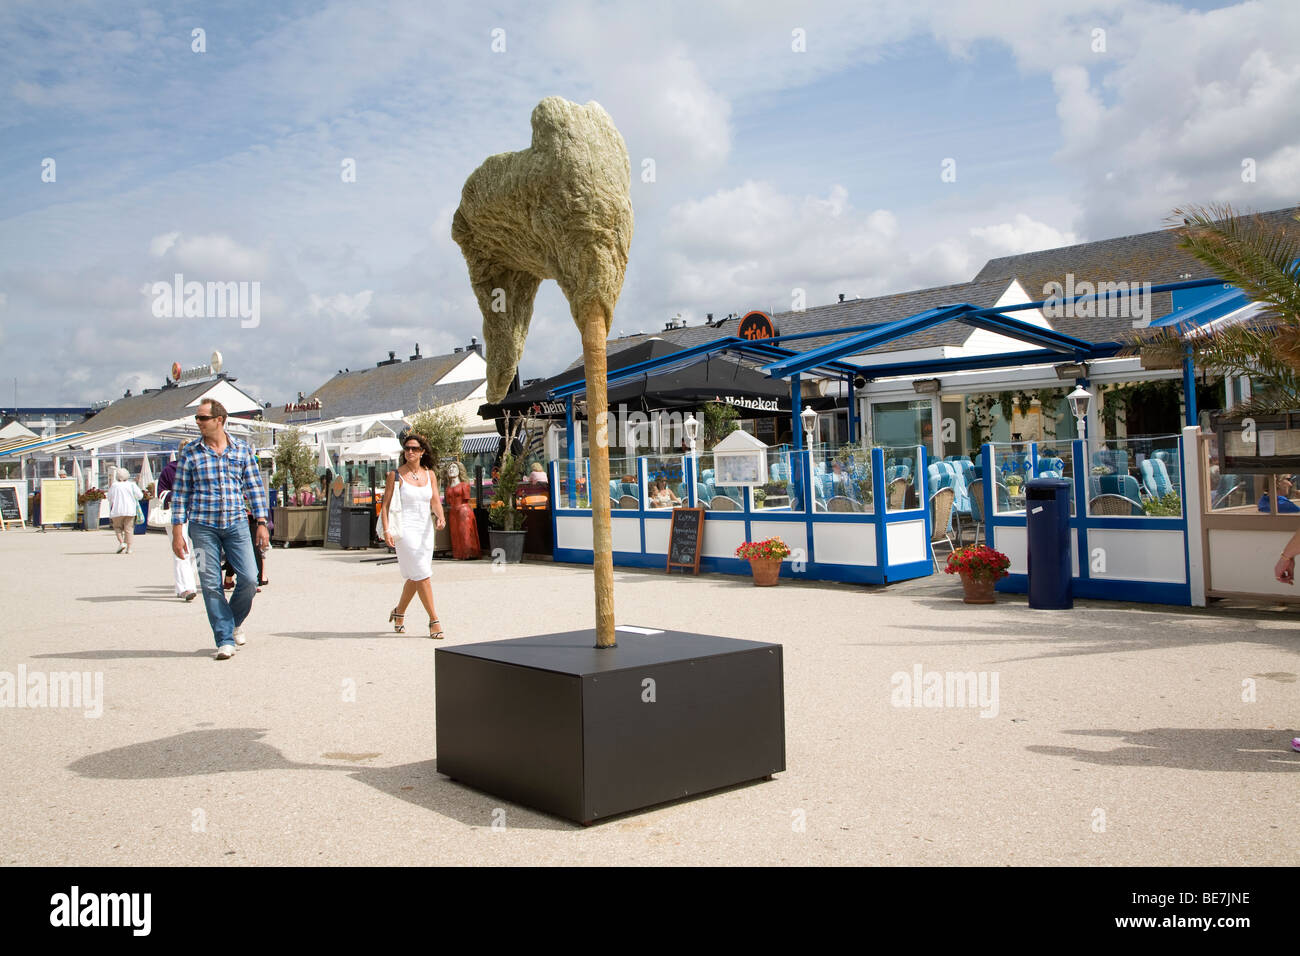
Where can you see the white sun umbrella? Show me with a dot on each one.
(373, 449)
(78, 477)
(323, 461)
(146, 473)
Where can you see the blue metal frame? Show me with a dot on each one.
(1084, 585)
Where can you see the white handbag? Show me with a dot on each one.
(394, 514)
(161, 516)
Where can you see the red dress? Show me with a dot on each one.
(461, 523)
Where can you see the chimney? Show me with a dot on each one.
(841, 296)
(417, 352)
(474, 346)
(391, 360)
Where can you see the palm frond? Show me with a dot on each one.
(1256, 257)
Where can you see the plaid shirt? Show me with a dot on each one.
(210, 488)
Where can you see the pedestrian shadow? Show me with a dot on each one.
(120, 598)
(418, 632)
(1236, 750)
(115, 655)
(195, 753)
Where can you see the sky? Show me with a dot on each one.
(316, 152)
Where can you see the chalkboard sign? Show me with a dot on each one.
(9, 509)
(684, 538)
(334, 521)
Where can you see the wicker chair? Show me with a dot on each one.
(896, 494)
(628, 502)
(976, 488)
(842, 503)
(940, 512)
(723, 503)
(1114, 505)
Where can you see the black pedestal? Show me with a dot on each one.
(556, 724)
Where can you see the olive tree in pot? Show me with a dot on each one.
(504, 515)
(295, 463)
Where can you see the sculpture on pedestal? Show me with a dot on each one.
(560, 209)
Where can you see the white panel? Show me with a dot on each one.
(905, 542)
(788, 531)
(721, 538)
(840, 542)
(1243, 561)
(1014, 543)
(625, 534)
(1138, 555)
(1191, 485)
(574, 533)
(656, 537)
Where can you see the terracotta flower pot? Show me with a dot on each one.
(766, 571)
(978, 590)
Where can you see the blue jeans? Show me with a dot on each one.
(209, 543)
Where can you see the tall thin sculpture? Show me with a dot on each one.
(561, 209)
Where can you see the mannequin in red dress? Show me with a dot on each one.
(460, 516)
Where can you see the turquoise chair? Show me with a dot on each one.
(1155, 477)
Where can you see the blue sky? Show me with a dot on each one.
(776, 168)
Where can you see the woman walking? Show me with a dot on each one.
(416, 489)
(123, 495)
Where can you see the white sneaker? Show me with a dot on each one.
(225, 652)
(121, 548)
(239, 637)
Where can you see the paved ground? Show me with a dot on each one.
(1120, 734)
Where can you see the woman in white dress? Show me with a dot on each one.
(420, 505)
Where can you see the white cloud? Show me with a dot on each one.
(159, 245)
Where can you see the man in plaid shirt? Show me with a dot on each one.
(213, 475)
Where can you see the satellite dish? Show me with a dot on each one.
(215, 362)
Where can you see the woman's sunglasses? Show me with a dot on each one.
(414, 448)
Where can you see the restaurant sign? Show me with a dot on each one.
(313, 405)
(546, 408)
(752, 404)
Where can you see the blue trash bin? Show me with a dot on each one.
(142, 527)
(1047, 506)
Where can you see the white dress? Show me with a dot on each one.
(415, 546)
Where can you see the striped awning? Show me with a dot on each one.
(480, 444)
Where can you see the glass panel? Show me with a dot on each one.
(900, 476)
(667, 477)
(707, 490)
(1285, 500)
(1011, 469)
(1057, 461)
(781, 493)
(842, 479)
(902, 423)
(624, 489)
(1142, 469)
(572, 493)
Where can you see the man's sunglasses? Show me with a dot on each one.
(206, 418)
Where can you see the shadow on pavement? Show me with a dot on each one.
(1244, 750)
(413, 632)
(198, 752)
(115, 655)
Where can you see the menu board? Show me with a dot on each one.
(684, 537)
(58, 501)
(10, 512)
(334, 521)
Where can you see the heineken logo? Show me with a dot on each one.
(546, 408)
(754, 404)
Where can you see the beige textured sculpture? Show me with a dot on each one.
(562, 210)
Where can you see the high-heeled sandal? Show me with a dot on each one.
(440, 635)
(397, 620)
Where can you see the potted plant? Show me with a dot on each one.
(90, 499)
(505, 518)
(980, 568)
(764, 559)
